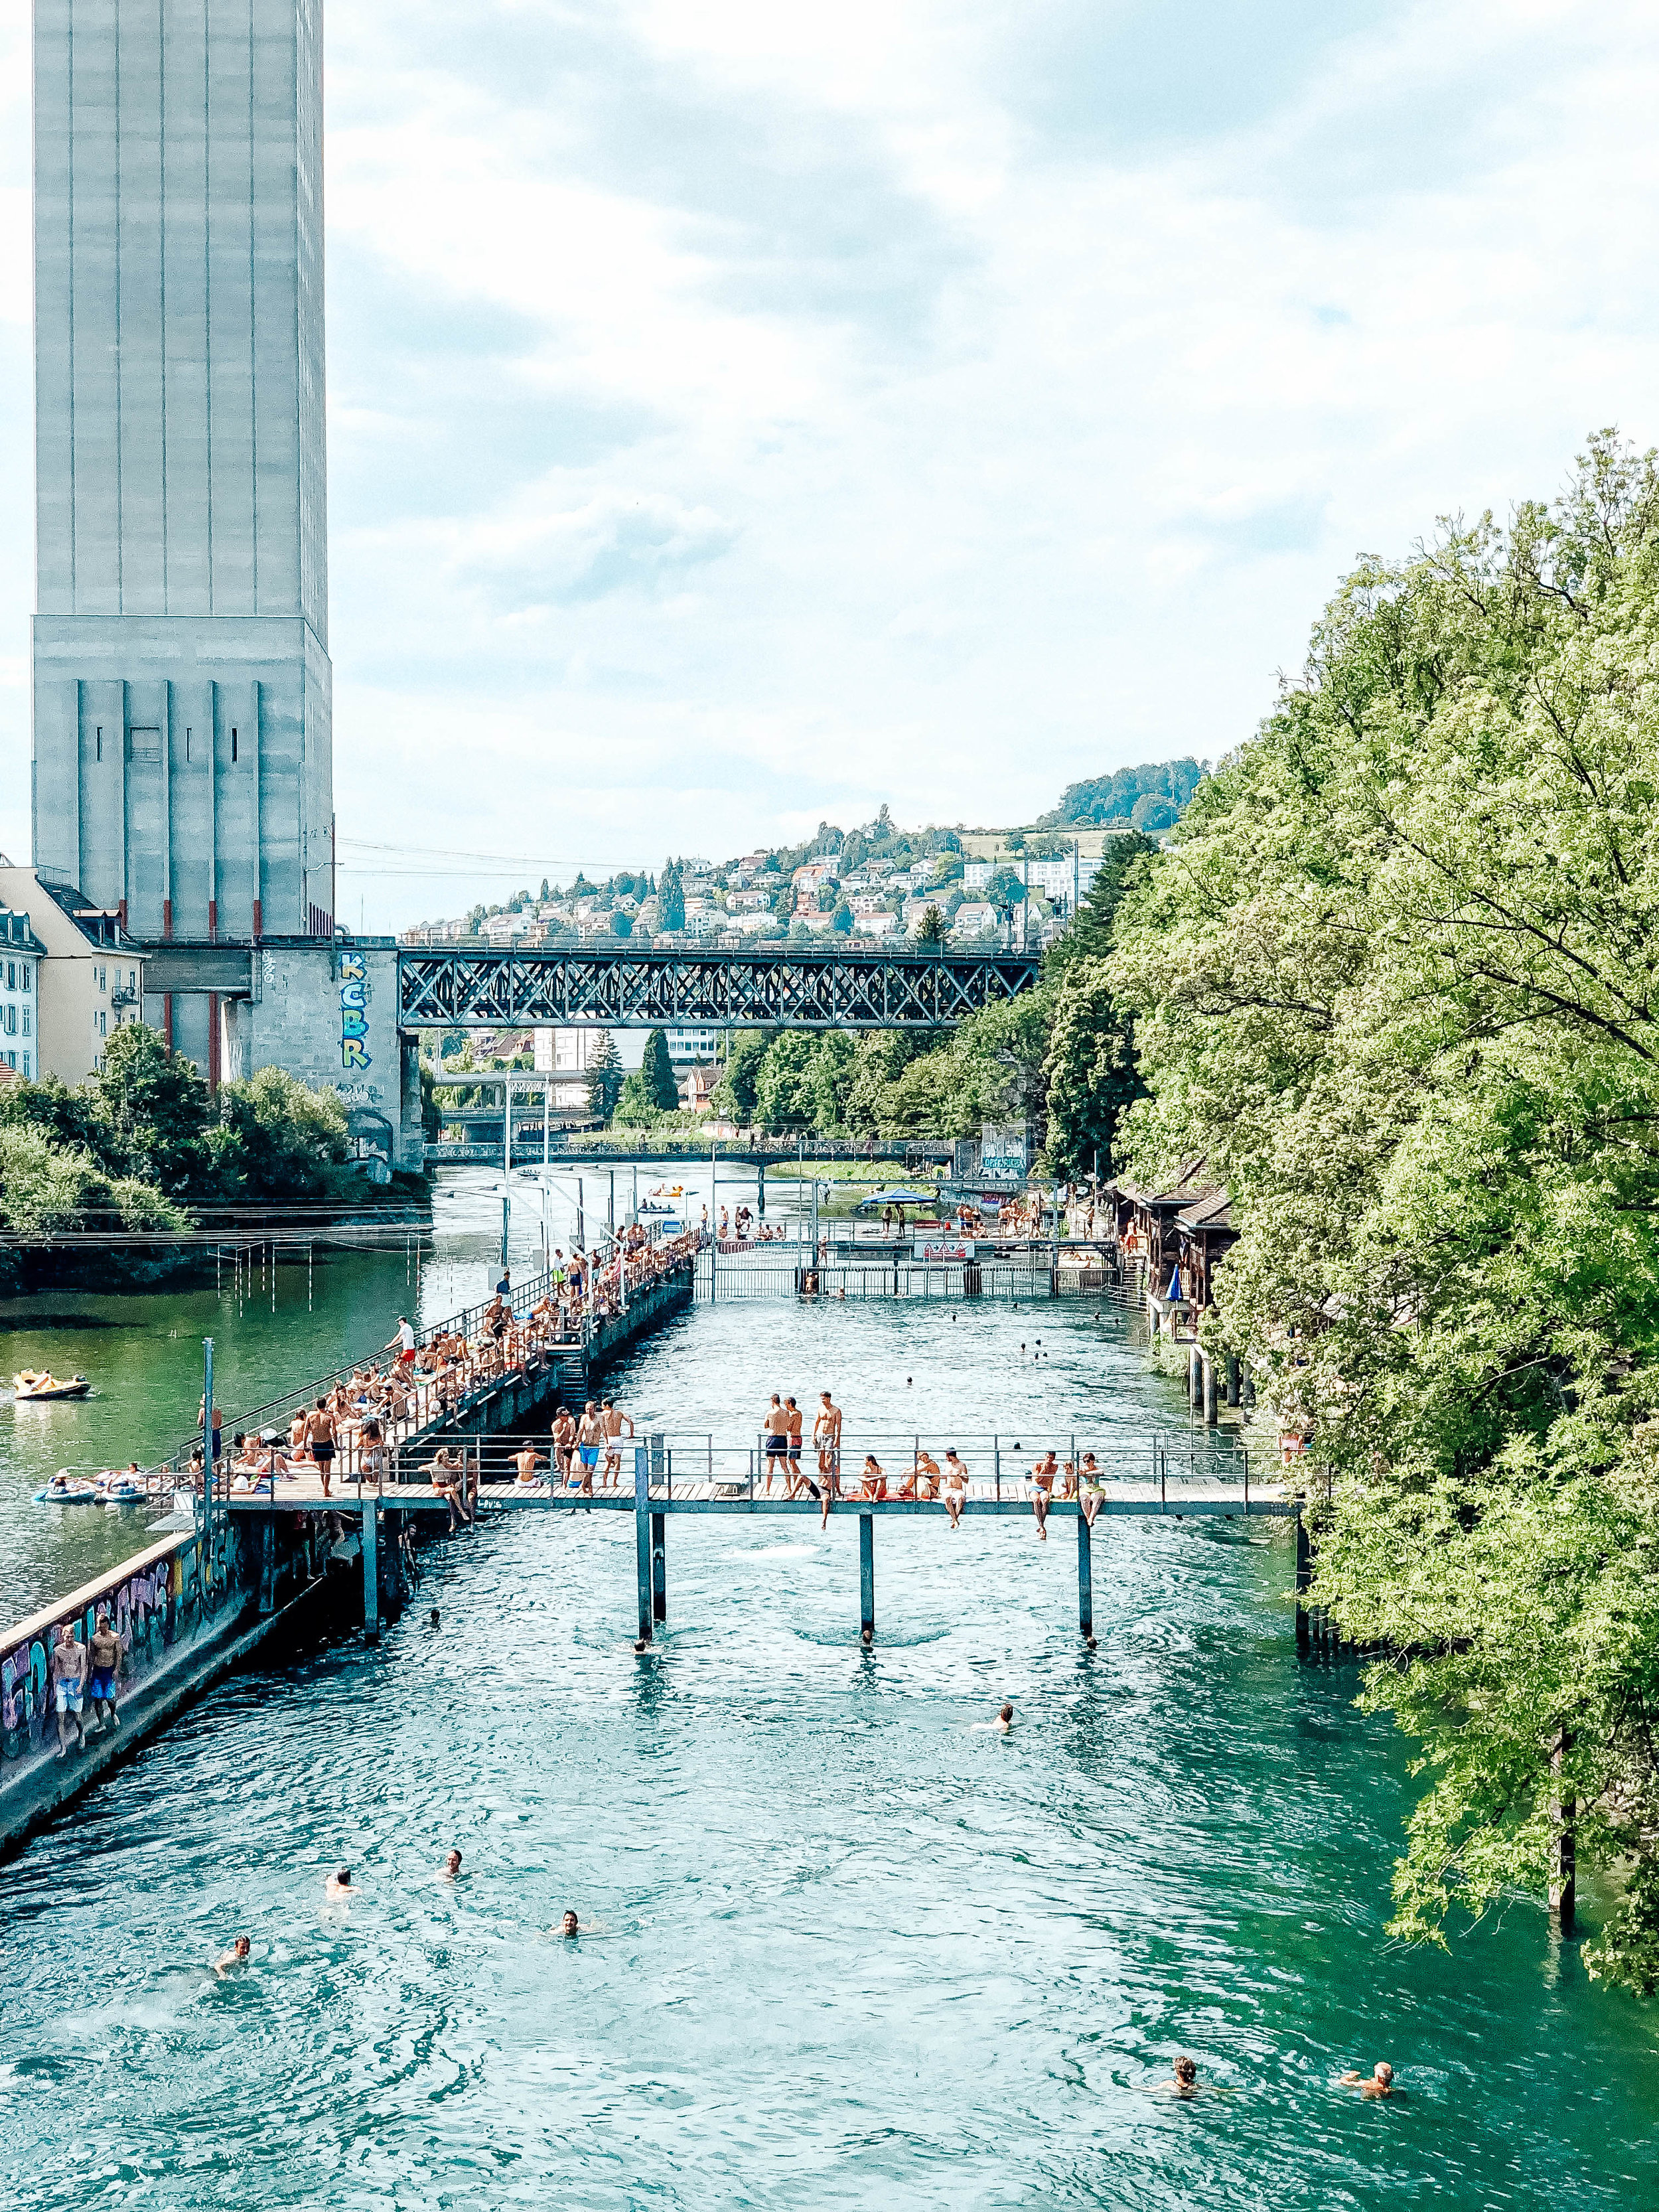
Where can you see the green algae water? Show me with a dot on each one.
(850, 1949)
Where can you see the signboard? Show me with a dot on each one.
(946, 1251)
(1002, 1154)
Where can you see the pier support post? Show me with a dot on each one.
(267, 1563)
(1303, 1582)
(659, 1566)
(1564, 1847)
(1194, 1375)
(1085, 1583)
(1232, 1378)
(1207, 1374)
(643, 1536)
(867, 1577)
(371, 1570)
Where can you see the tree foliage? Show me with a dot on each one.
(1397, 980)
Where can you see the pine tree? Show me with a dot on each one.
(605, 1076)
(657, 1072)
(670, 898)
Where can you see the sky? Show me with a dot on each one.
(742, 415)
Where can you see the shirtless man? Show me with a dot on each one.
(1183, 2082)
(319, 1436)
(564, 1440)
(614, 1422)
(450, 1870)
(238, 1955)
(776, 1429)
(1379, 2082)
(67, 1669)
(338, 1886)
(103, 1664)
(956, 1485)
(826, 1437)
(922, 1481)
(590, 1438)
(526, 1462)
(792, 1416)
(1042, 1491)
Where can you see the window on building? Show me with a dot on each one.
(101, 984)
(26, 1028)
(103, 1022)
(11, 974)
(11, 1060)
(29, 975)
(233, 744)
(26, 1067)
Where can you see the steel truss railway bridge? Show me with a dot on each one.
(785, 986)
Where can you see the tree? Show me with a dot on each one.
(1394, 983)
(733, 1096)
(278, 1138)
(635, 1107)
(622, 925)
(841, 922)
(604, 1075)
(784, 1097)
(657, 1074)
(671, 897)
(932, 930)
(1091, 1079)
(152, 1109)
(1090, 933)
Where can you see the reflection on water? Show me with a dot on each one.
(858, 1952)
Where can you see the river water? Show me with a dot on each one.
(851, 1949)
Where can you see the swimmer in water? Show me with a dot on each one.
(339, 1885)
(569, 1925)
(1183, 2082)
(1000, 1725)
(433, 1617)
(238, 1955)
(451, 1867)
(1378, 2083)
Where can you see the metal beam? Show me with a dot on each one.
(784, 987)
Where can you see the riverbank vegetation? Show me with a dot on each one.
(134, 1145)
(1396, 981)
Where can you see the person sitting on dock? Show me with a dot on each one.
(1042, 1491)
(68, 1668)
(922, 1481)
(528, 1478)
(1379, 2082)
(873, 1481)
(1068, 1479)
(104, 1669)
(1091, 1488)
(956, 1485)
(447, 1472)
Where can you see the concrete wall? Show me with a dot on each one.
(329, 1015)
(180, 501)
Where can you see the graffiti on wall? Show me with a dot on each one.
(148, 1611)
(354, 1011)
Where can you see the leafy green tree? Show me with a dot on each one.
(1090, 933)
(153, 1110)
(841, 922)
(1091, 1079)
(46, 1187)
(932, 930)
(784, 1094)
(733, 1096)
(671, 897)
(657, 1074)
(635, 1107)
(604, 1075)
(1394, 983)
(279, 1139)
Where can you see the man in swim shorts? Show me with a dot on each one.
(68, 1668)
(776, 1434)
(613, 1422)
(104, 1668)
(403, 1343)
(1042, 1491)
(528, 1464)
(590, 1436)
(826, 1435)
(320, 1435)
(792, 1437)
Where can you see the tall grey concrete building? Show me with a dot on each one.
(183, 764)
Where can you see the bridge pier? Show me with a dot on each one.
(867, 1577)
(1085, 1583)
(643, 1520)
(659, 1566)
(371, 1570)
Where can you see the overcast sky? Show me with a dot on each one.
(740, 415)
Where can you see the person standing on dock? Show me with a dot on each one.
(564, 1442)
(826, 1435)
(104, 1669)
(792, 1433)
(68, 1666)
(590, 1437)
(319, 1436)
(613, 1422)
(403, 1343)
(775, 1431)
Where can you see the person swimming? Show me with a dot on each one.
(1379, 2082)
(1183, 2082)
(1000, 1725)
(238, 1955)
(451, 1867)
(339, 1885)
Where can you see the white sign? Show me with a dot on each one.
(958, 1251)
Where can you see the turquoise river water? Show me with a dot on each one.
(850, 1949)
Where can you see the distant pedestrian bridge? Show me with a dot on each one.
(785, 986)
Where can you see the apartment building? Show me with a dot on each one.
(87, 978)
(20, 954)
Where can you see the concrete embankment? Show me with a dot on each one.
(186, 1611)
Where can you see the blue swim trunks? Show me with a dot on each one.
(101, 1688)
(590, 1454)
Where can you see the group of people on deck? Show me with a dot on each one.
(354, 1426)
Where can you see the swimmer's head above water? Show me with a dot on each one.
(569, 1925)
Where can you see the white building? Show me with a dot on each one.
(88, 979)
(20, 953)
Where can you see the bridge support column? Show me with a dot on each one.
(371, 1570)
(1303, 1582)
(1085, 1584)
(267, 1563)
(1207, 1374)
(867, 1577)
(659, 1566)
(1195, 1375)
(1232, 1378)
(642, 1537)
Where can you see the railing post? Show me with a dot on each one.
(642, 1537)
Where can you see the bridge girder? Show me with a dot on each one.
(785, 989)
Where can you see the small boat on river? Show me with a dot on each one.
(66, 1489)
(30, 1386)
(665, 1199)
(121, 1487)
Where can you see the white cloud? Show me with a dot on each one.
(743, 414)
